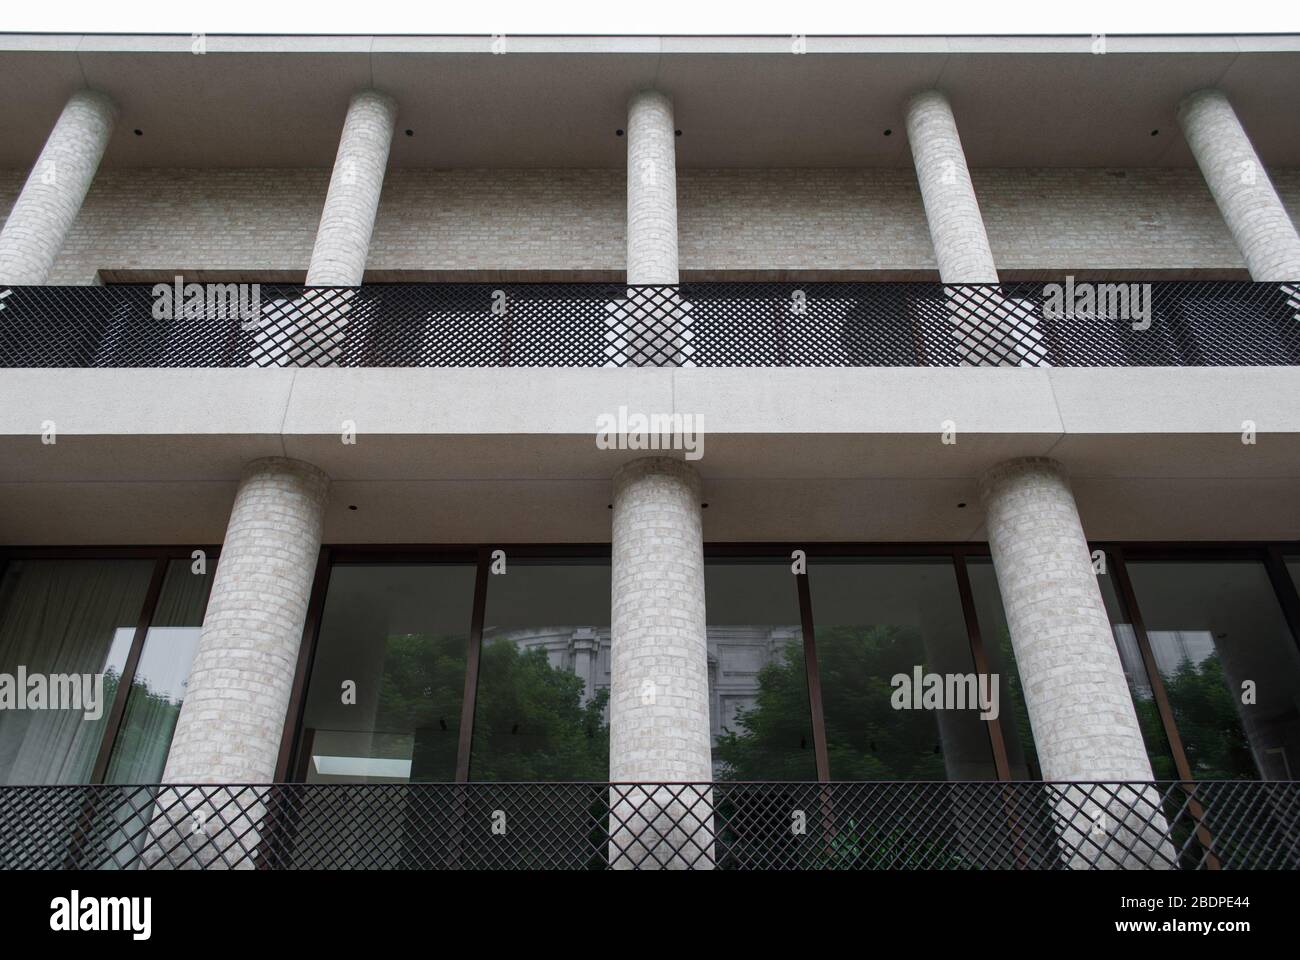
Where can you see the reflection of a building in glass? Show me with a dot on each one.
(736, 655)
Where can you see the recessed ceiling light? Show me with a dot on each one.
(1155, 133)
(677, 132)
(138, 132)
(410, 133)
(618, 133)
(888, 131)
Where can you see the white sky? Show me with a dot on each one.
(653, 16)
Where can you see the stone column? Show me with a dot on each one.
(338, 258)
(961, 245)
(650, 328)
(659, 697)
(651, 190)
(343, 238)
(1085, 727)
(989, 330)
(52, 196)
(1240, 186)
(231, 723)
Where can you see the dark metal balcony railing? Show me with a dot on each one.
(742, 826)
(1169, 323)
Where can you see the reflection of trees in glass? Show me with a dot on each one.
(422, 690)
(866, 738)
(1206, 715)
(774, 741)
(530, 722)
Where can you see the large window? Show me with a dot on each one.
(1228, 662)
(116, 632)
(543, 679)
(157, 689)
(388, 680)
(1014, 725)
(878, 621)
(758, 683)
(888, 665)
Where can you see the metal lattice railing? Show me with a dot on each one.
(742, 826)
(1169, 323)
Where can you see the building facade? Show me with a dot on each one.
(428, 443)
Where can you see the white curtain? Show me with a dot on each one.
(64, 617)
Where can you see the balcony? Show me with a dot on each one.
(732, 324)
(596, 826)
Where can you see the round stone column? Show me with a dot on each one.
(988, 330)
(961, 245)
(651, 190)
(1240, 186)
(659, 697)
(49, 202)
(343, 239)
(1084, 724)
(232, 720)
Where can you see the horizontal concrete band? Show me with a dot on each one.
(205, 424)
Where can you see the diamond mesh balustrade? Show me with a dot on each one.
(729, 324)
(593, 826)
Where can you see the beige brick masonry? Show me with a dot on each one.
(1241, 186)
(231, 723)
(51, 198)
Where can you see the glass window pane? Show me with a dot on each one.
(158, 689)
(64, 617)
(758, 687)
(1229, 665)
(1139, 683)
(388, 677)
(543, 683)
(996, 635)
(878, 620)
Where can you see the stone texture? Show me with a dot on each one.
(1241, 186)
(230, 726)
(1084, 724)
(651, 190)
(659, 697)
(343, 238)
(961, 246)
(261, 223)
(38, 224)
(659, 673)
(1080, 709)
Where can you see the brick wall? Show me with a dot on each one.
(573, 220)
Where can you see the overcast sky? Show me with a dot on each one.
(653, 16)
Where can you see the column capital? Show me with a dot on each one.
(650, 97)
(1007, 471)
(309, 473)
(926, 97)
(1198, 97)
(680, 470)
(97, 100)
(375, 96)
